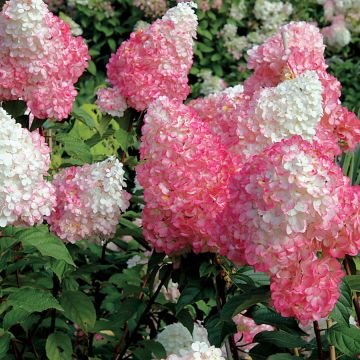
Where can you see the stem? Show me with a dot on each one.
(318, 341)
(33, 332)
(284, 40)
(356, 298)
(18, 356)
(55, 292)
(230, 344)
(17, 278)
(331, 347)
(103, 252)
(120, 350)
(296, 352)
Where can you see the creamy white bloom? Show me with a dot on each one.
(184, 18)
(177, 339)
(294, 107)
(25, 196)
(272, 13)
(200, 351)
(210, 83)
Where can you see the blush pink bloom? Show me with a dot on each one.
(273, 64)
(90, 200)
(156, 61)
(308, 289)
(184, 175)
(40, 59)
(221, 112)
(279, 202)
(246, 331)
(110, 101)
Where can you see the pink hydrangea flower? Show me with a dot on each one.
(220, 111)
(279, 201)
(40, 59)
(90, 200)
(156, 61)
(246, 331)
(308, 289)
(25, 196)
(344, 238)
(273, 64)
(184, 175)
(110, 101)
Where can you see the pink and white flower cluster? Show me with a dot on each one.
(90, 200)
(251, 173)
(344, 17)
(40, 59)
(287, 204)
(246, 331)
(156, 61)
(185, 177)
(25, 195)
(110, 101)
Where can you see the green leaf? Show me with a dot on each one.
(343, 307)
(6, 243)
(282, 356)
(270, 317)
(122, 137)
(79, 308)
(14, 316)
(280, 339)
(33, 300)
(238, 303)
(4, 343)
(344, 338)
(86, 114)
(112, 44)
(46, 243)
(156, 348)
(204, 48)
(103, 125)
(188, 296)
(58, 347)
(92, 68)
(218, 329)
(75, 147)
(186, 319)
(353, 282)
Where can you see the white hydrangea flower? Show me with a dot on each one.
(199, 351)
(234, 44)
(24, 28)
(294, 107)
(337, 35)
(184, 18)
(272, 14)
(177, 339)
(234, 91)
(238, 11)
(210, 84)
(25, 196)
